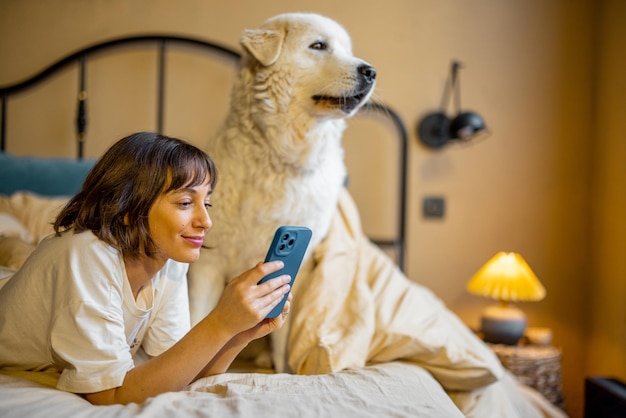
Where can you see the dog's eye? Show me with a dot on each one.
(321, 46)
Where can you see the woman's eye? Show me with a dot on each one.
(185, 204)
(320, 46)
(207, 205)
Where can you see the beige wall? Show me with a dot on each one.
(606, 348)
(548, 182)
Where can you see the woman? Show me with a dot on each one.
(109, 288)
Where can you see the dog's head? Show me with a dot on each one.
(305, 60)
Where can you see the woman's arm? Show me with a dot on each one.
(222, 361)
(212, 344)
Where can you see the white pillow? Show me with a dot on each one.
(11, 227)
(14, 251)
(36, 213)
(5, 274)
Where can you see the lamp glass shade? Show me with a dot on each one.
(507, 277)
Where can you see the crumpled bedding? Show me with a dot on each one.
(392, 389)
(356, 307)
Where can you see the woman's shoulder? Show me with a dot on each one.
(84, 245)
(72, 238)
(64, 261)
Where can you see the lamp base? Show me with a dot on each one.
(503, 324)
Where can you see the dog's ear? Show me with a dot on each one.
(264, 45)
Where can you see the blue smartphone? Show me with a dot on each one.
(289, 245)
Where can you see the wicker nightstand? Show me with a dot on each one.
(538, 366)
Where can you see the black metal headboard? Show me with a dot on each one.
(80, 58)
(161, 42)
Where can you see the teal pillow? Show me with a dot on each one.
(42, 176)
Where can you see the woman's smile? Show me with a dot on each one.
(196, 241)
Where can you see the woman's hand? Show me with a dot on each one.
(267, 325)
(244, 304)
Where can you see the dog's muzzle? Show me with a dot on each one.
(350, 101)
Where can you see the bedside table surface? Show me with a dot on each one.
(530, 352)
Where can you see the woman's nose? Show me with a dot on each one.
(203, 219)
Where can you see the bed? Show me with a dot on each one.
(419, 361)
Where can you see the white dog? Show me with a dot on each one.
(279, 154)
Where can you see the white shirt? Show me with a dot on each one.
(70, 308)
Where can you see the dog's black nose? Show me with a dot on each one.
(368, 72)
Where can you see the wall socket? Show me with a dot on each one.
(434, 207)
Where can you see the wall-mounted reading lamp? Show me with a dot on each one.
(436, 129)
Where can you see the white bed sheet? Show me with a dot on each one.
(392, 389)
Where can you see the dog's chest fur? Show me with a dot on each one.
(283, 175)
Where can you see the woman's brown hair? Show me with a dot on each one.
(125, 182)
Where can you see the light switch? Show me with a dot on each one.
(434, 207)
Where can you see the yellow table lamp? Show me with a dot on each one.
(507, 278)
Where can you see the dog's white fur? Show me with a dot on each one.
(279, 154)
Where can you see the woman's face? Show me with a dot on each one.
(178, 221)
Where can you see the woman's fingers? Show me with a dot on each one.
(267, 325)
(269, 300)
(263, 269)
(245, 303)
(268, 291)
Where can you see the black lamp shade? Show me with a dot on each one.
(465, 125)
(436, 129)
